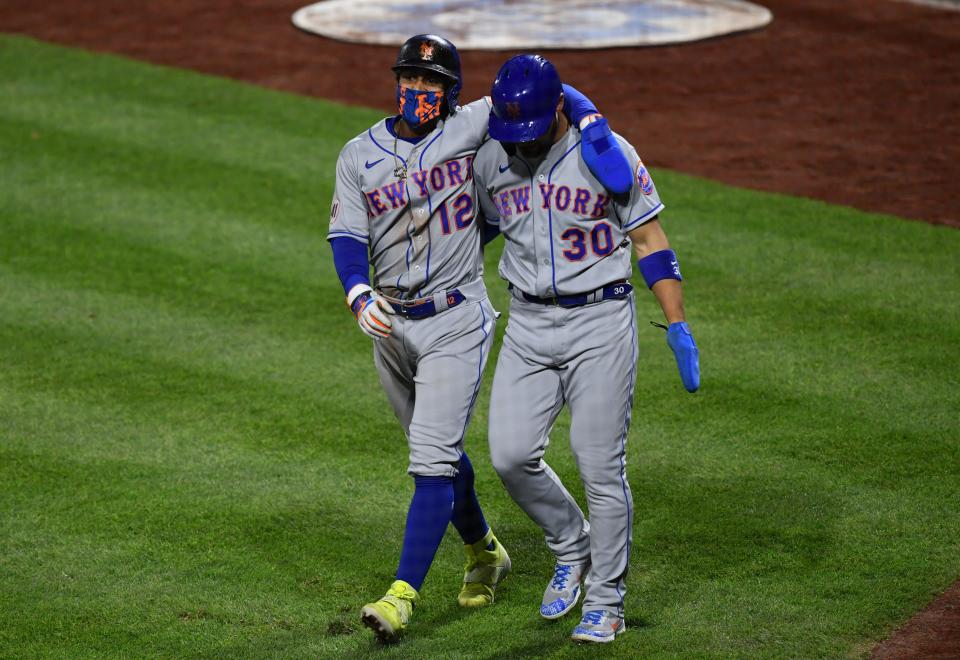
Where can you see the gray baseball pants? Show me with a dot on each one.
(430, 370)
(584, 357)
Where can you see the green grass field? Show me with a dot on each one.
(196, 458)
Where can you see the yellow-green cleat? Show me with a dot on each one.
(487, 564)
(388, 617)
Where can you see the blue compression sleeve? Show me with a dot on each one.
(351, 261)
(576, 106)
(467, 514)
(427, 520)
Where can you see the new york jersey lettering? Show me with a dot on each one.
(427, 182)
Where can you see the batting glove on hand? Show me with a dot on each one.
(372, 312)
(680, 339)
(603, 155)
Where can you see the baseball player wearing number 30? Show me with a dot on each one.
(405, 204)
(571, 338)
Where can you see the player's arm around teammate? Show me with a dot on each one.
(405, 204)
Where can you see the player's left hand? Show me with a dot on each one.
(680, 339)
(603, 155)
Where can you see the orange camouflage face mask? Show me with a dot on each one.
(417, 106)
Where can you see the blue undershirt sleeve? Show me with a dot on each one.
(576, 106)
(490, 232)
(351, 261)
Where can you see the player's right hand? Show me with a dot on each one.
(371, 311)
(680, 340)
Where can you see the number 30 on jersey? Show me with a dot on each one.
(599, 240)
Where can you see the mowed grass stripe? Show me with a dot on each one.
(183, 115)
(197, 459)
(222, 190)
(138, 201)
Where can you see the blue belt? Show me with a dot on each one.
(613, 290)
(425, 307)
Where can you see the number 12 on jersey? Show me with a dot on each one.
(462, 208)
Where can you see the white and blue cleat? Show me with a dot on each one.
(598, 626)
(563, 592)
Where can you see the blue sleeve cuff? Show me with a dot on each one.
(351, 261)
(347, 234)
(643, 219)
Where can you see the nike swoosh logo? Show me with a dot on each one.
(504, 168)
(369, 164)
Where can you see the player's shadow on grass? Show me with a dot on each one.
(513, 626)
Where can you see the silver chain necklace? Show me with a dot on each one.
(399, 171)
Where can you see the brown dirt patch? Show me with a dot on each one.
(853, 103)
(934, 633)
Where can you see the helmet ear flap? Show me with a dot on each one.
(453, 95)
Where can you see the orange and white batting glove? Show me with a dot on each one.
(372, 312)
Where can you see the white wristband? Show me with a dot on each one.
(589, 119)
(356, 291)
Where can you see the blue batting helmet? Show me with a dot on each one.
(525, 96)
(434, 53)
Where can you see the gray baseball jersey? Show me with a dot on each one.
(415, 207)
(564, 233)
(420, 227)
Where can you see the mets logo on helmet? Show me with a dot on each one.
(513, 109)
(426, 50)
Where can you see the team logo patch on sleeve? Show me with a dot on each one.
(643, 178)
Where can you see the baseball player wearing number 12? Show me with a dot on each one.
(571, 338)
(405, 204)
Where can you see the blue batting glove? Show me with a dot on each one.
(680, 339)
(603, 155)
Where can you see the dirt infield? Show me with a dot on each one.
(933, 633)
(855, 106)
(854, 103)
